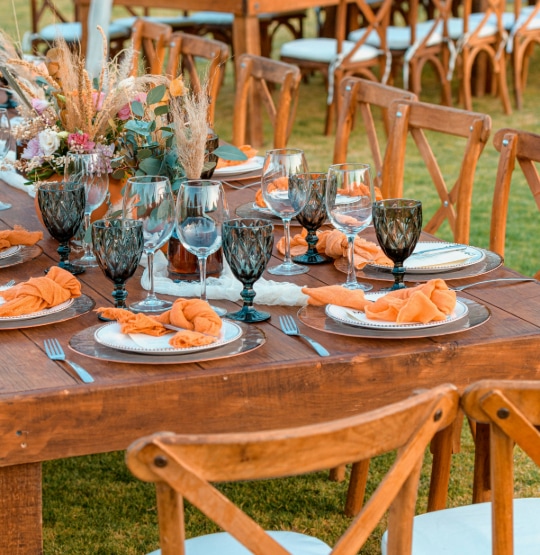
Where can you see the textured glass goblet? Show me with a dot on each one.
(62, 208)
(398, 224)
(118, 246)
(247, 245)
(312, 216)
(91, 171)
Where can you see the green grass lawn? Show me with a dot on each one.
(93, 504)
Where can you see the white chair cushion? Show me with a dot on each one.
(399, 38)
(224, 544)
(467, 530)
(455, 26)
(169, 20)
(324, 50)
(212, 18)
(71, 31)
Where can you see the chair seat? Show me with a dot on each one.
(455, 26)
(72, 31)
(467, 530)
(399, 38)
(324, 50)
(224, 544)
(212, 18)
(168, 20)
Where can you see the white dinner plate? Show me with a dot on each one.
(438, 262)
(358, 318)
(251, 165)
(10, 251)
(45, 312)
(111, 336)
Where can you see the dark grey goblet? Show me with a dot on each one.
(247, 245)
(118, 246)
(398, 223)
(312, 216)
(62, 206)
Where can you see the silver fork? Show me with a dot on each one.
(55, 352)
(7, 285)
(462, 287)
(289, 327)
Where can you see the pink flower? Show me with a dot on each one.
(97, 100)
(32, 149)
(125, 112)
(80, 142)
(39, 105)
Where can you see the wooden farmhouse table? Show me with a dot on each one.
(46, 414)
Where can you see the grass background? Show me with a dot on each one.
(93, 505)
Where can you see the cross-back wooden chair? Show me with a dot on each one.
(337, 58)
(361, 97)
(425, 122)
(150, 42)
(266, 78)
(185, 466)
(523, 147)
(511, 410)
(185, 50)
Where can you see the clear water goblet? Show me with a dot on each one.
(247, 246)
(5, 142)
(349, 204)
(398, 224)
(150, 199)
(285, 197)
(201, 209)
(92, 171)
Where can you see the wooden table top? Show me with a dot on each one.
(47, 414)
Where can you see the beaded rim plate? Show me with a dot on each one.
(253, 164)
(45, 312)
(10, 251)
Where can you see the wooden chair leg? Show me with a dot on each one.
(441, 447)
(357, 488)
(337, 474)
(481, 477)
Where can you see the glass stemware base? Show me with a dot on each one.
(151, 304)
(4, 205)
(288, 269)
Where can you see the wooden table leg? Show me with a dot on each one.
(20, 509)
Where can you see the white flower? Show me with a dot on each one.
(48, 141)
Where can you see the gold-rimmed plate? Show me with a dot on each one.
(24, 254)
(85, 344)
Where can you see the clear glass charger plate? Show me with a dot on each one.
(490, 262)
(23, 254)
(358, 318)
(315, 317)
(110, 335)
(45, 312)
(80, 305)
(251, 165)
(84, 343)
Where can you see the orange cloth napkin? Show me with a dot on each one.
(429, 302)
(39, 293)
(336, 294)
(281, 183)
(19, 236)
(248, 150)
(200, 324)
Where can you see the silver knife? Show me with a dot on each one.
(448, 248)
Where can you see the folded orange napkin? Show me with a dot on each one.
(39, 293)
(281, 183)
(19, 236)
(200, 324)
(429, 302)
(248, 150)
(336, 294)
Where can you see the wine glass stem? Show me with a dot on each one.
(202, 274)
(351, 272)
(287, 232)
(87, 245)
(150, 259)
(398, 272)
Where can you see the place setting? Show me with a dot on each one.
(19, 245)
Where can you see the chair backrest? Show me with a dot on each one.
(362, 95)
(184, 53)
(512, 145)
(268, 79)
(43, 8)
(512, 411)
(184, 465)
(150, 41)
(426, 123)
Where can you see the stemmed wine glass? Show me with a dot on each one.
(312, 216)
(91, 171)
(201, 209)
(118, 246)
(5, 140)
(150, 199)
(285, 197)
(247, 245)
(62, 208)
(349, 199)
(398, 223)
